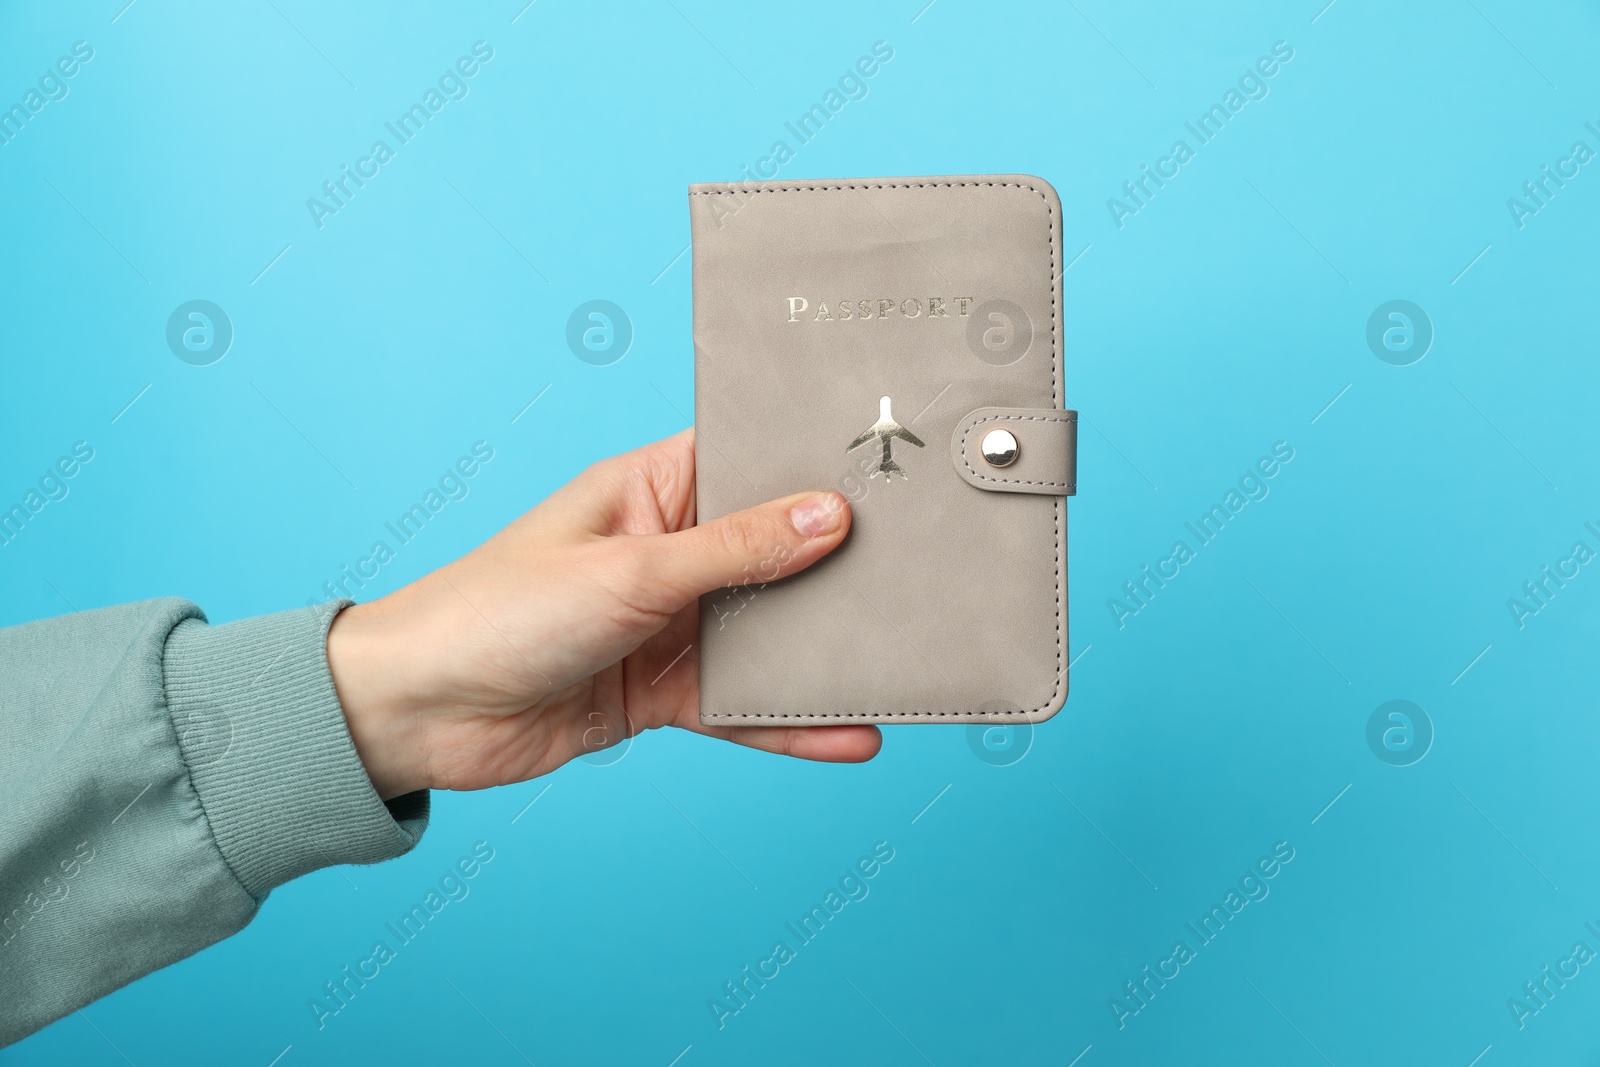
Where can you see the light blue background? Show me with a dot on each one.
(1222, 318)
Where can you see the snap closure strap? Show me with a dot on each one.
(1047, 450)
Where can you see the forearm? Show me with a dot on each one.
(160, 777)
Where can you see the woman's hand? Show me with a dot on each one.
(570, 630)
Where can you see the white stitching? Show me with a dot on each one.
(894, 185)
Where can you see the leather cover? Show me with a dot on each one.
(844, 332)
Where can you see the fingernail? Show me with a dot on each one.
(817, 515)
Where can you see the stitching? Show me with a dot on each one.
(1055, 395)
(895, 185)
(997, 717)
(1014, 418)
(188, 771)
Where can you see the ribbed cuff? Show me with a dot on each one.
(260, 727)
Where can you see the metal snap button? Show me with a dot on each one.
(999, 448)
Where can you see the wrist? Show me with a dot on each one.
(369, 660)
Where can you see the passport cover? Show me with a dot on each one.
(868, 335)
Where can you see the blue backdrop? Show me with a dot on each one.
(1371, 264)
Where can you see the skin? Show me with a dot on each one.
(566, 632)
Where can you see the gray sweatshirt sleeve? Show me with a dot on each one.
(158, 776)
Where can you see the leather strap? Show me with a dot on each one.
(1047, 450)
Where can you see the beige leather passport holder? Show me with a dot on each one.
(899, 340)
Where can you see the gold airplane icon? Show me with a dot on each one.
(886, 430)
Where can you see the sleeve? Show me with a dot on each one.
(158, 777)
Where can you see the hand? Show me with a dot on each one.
(571, 629)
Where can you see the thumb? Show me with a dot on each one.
(749, 547)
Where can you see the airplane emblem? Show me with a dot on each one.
(885, 430)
